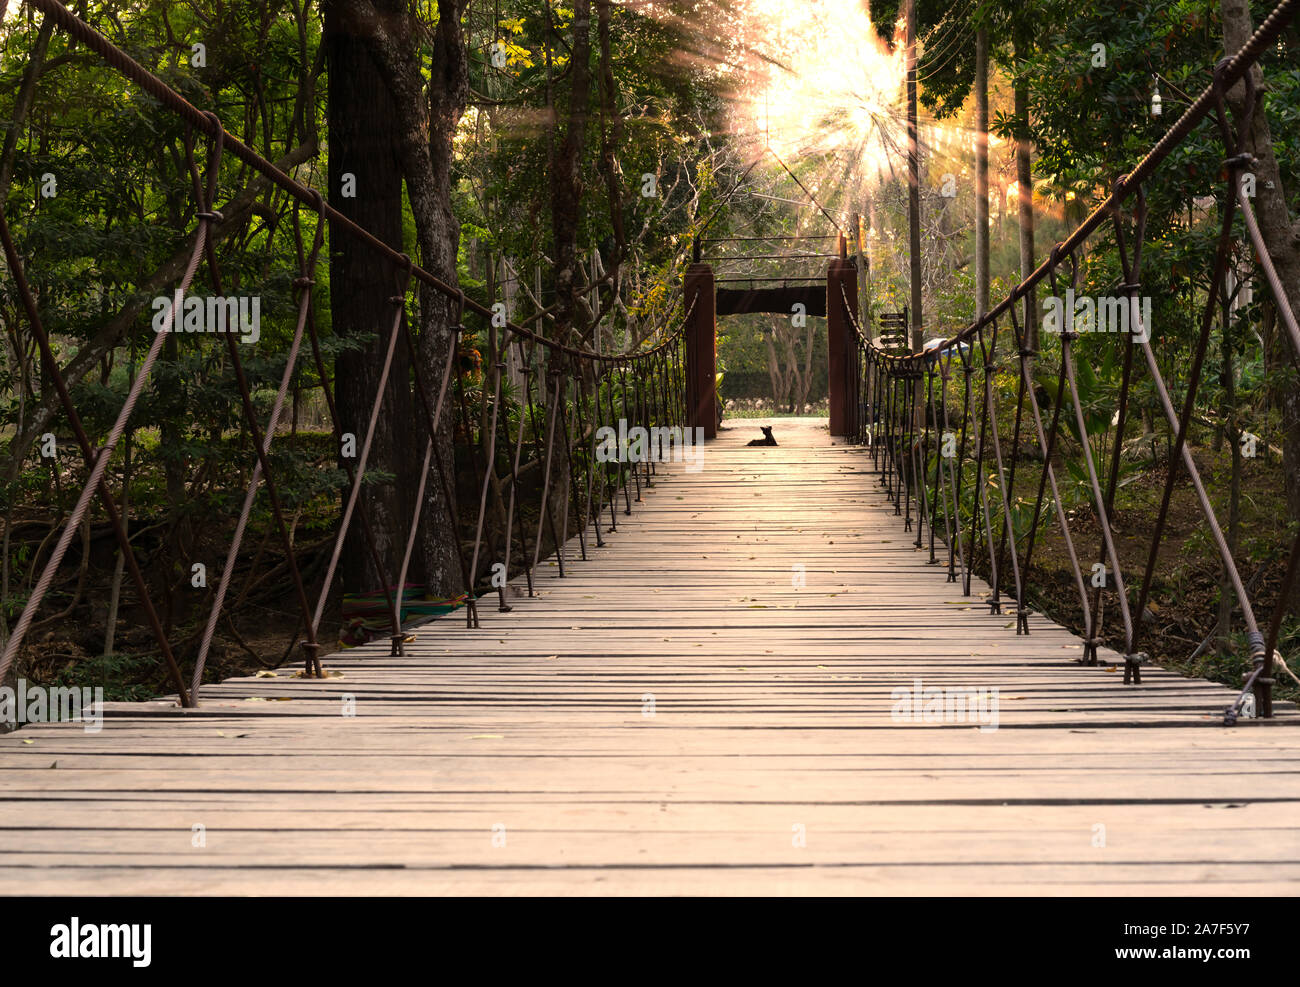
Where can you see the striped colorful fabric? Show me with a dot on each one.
(366, 615)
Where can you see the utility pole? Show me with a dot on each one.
(913, 180)
(864, 274)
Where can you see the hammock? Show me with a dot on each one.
(366, 615)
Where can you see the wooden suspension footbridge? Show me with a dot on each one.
(678, 716)
(779, 673)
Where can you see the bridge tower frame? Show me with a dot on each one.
(841, 315)
(700, 301)
(699, 296)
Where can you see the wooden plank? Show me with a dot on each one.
(772, 710)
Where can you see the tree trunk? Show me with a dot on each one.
(363, 142)
(773, 365)
(611, 133)
(566, 205)
(1232, 433)
(913, 186)
(438, 231)
(23, 103)
(566, 179)
(1025, 200)
(174, 563)
(420, 137)
(1280, 238)
(981, 173)
(806, 381)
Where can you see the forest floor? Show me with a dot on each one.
(1183, 608)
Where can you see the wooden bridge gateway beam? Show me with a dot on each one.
(700, 302)
(841, 311)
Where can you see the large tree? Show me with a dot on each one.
(419, 138)
(365, 185)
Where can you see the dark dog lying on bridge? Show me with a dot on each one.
(766, 440)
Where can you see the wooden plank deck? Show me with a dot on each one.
(518, 759)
